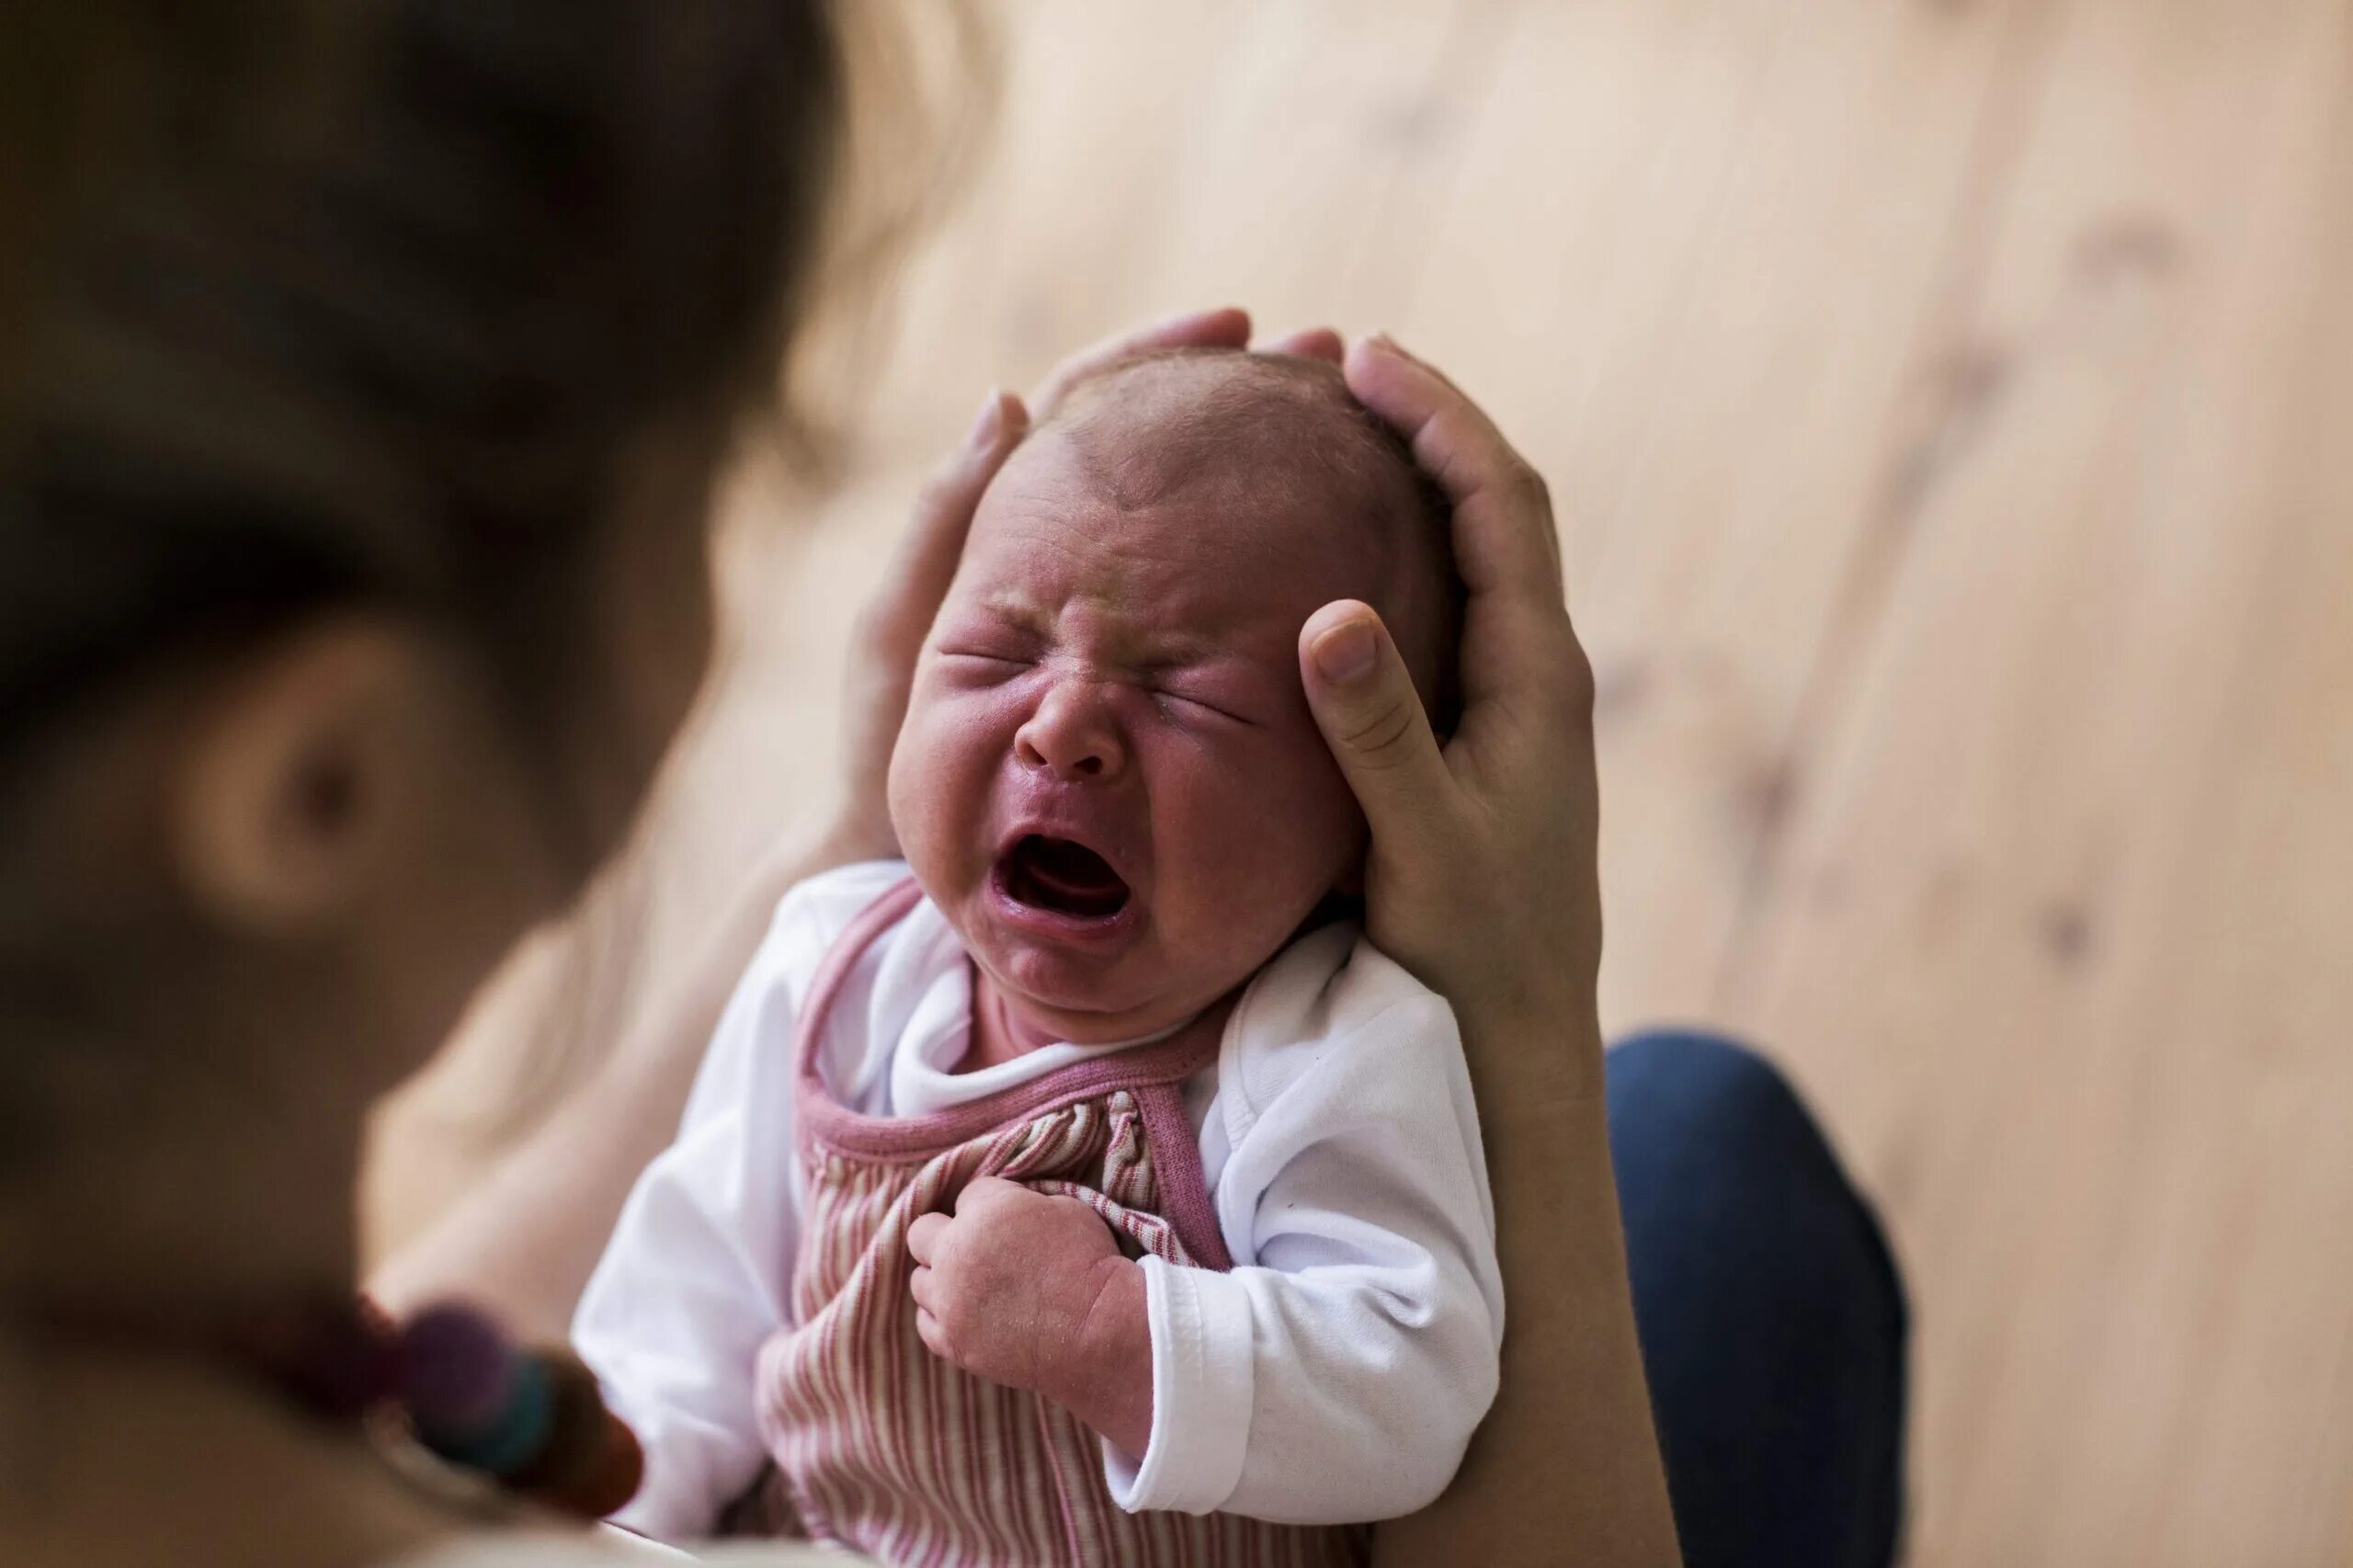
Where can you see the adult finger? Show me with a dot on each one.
(1364, 702)
(1515, 622)
(1227, 327)
(900, 613)
(1503, 536)
(1307, 343)
(923, 1237)
(919, 1286)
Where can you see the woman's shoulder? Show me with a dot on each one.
(613, 1548)
(605, 1548)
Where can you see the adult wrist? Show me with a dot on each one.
(1532, 1051)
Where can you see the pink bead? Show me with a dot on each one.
(457, 1370)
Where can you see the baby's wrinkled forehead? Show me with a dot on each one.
(1259, 471)
(1146, 431)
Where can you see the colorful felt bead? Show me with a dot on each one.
(619, 1471)
(535, 1422)
(330, 1357)
(515, 1434)
(576, 1432)
(457, 1369)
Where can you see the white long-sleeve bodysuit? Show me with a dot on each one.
(1334, 1375)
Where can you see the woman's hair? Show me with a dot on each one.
(368, 301)
(308, 304)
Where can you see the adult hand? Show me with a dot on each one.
(1481, 876)
(890, 630)
(1482, 880)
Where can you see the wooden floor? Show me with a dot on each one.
(1951, 403)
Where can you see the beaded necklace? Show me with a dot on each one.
(530, 1422)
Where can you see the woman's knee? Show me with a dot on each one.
(1704, 1084)
(1685, 1092)
(1710, 1132)
(1772, 1318)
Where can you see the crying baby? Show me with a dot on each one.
(1086, 1188)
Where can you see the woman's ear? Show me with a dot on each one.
(288, 795)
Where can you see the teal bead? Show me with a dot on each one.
(513, 1438)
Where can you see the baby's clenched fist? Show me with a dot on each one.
(1030, 1290)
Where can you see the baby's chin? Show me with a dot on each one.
(1056, 997)
(1085, 987)
(1048, 1002)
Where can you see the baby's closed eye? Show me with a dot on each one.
(1198, 701)
(980, 664)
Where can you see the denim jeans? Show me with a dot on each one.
(1772, 1318)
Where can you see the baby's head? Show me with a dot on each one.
(1109, 779)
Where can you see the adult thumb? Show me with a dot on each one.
(1364, 702)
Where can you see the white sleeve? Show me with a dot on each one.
(696, 1275)
(1337, 1373)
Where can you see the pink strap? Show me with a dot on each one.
(1154, 1074)
(871, 922)
(1176, 1169)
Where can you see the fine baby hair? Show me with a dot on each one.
(1154, 424)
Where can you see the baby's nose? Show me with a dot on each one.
(1073, 736)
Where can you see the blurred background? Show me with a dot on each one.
(1948, 403)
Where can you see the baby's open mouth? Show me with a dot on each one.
(1066, 878)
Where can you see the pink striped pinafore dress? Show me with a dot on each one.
(877, 1443)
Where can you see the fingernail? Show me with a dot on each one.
(992, 415)
(1346, 652)
(1187, 317)
(1382, 340)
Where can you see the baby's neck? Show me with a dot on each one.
(1000, 1034)
(999, 1031)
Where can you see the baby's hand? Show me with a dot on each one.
(1030, 1290)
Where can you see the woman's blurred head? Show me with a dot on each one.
(365, 370)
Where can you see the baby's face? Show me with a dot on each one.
(1109, 779)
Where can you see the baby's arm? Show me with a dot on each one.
(692, 1281)
(1338, 1374)
(689, 1288)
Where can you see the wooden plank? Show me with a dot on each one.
(1691, 285)
(1974, 943)
(1159, 158)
